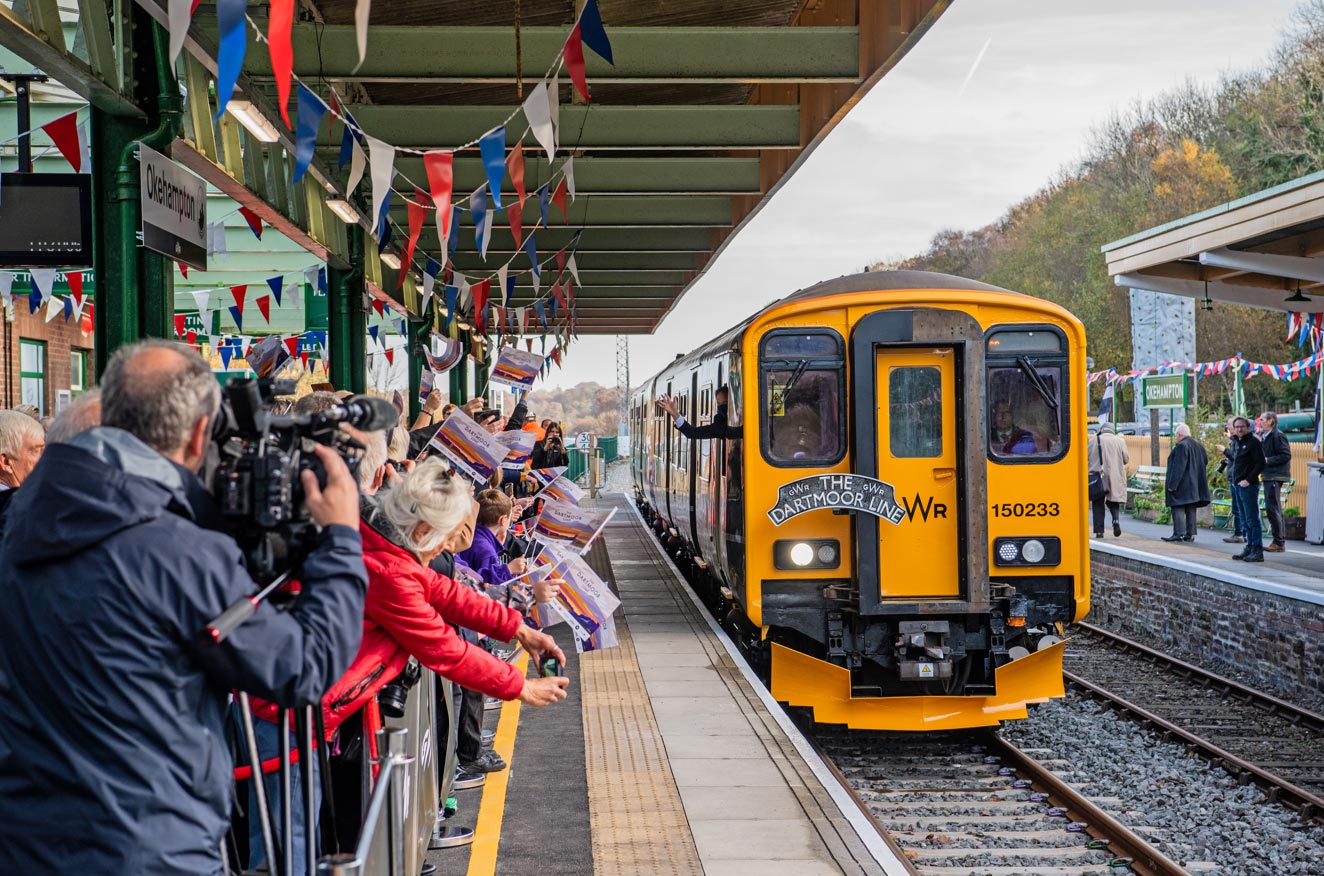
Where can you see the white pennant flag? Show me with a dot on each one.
(502, 273)
(357, 163)
(382, 158)
(216, 245)
(429, 284)
(574, 269)
(202, 298)
(361, 10)
(310, 276)
(84, 150)
(554, 101)
(7, 289)
(178, 13)
(570, 176)
(54, 307)
(295, 291)
(465, 298)
(538, 110)
(43, 279)
(537, 281)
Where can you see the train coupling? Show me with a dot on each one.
(922, 650)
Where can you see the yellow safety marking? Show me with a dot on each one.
(487, 831)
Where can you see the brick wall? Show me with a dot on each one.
(1277, 641)
(60, 338)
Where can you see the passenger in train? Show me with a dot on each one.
(720, 427)
(800, 435)
(1007, 438)
(112, 725)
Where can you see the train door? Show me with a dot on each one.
(918, 455)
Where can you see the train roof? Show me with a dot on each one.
(869, 281)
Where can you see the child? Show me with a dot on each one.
(484, 555)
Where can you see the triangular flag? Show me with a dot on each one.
(183, 269)
(502, 273)
(303, 359)
(554, 100)
(439, 167)
(75, 281)
(592, 33)
(277, 285)
(34, 300)
(216, 245)
(390, 356)
(429, 281)
(231, 18)
(362, 8)
(381, 156)
(569, 170)
(238, 316)
(357, 163)
(179, 324)
(373, 331)
(292, 344)
(542, 314)
(515, 168)
(537, 109)
(523, 320)
(418, 212)
(530, 248)
(379, 306)
(559, 295)
(239, 292)
(510, 288)
(309, 115)
(544, 199)
(280, 23)
(482, 220)
(64, 133)
(573, 54)
(202, 298)
(528, 344)
(68, 308)
(43, 281)
(84, 149)
(226, 351)
(481, 291)
(516, 217)
(453, 239)
(492, 147)
(574, 268)
(452, 297)
(254, 221)
(178, 14)
(558, 198)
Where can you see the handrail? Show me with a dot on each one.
(382, 841)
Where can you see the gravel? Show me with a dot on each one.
(1197, 815)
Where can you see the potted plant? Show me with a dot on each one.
(1147, 508)
(1294, 525)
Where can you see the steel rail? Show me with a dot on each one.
(1144, 859)
(1274, 705)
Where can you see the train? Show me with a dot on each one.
(887, 503)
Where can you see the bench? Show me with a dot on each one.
(1221, 506)
(1148, 479)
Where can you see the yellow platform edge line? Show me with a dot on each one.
(492, 810)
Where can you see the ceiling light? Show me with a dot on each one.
(256, 123)
(391, 260)
(344, 209)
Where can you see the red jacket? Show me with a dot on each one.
(409, 611)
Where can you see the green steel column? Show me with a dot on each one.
(481, 374)
(114, 253)
(461, 372)
(348, 320)
(417, 333)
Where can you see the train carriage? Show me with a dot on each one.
(893, 520)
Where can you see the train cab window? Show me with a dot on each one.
(1027, 413)
(801, 397)
(914, 399)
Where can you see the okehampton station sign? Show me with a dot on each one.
(1165, 391)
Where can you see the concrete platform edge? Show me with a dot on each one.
(876, 845)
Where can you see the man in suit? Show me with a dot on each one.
(720, 426)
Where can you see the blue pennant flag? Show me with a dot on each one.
(592, 33)
(531, 249)
(510, 290)
(542, 315)
(321, 280)
(346, 141)
(306, 125)
(227, 353)
(551, 309)
(277, 285)
(452, 296)
(433, 268)
(68, 308)
(400, 327)
(238, 317)
(231, 18)
(478, 209)
(544, 198)
(456, 213)
(372, 332)
(34, 299)
(492, 146)
(384, 222)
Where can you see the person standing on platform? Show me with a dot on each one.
(1187, 486)
(1107, 454)
(1277, 471)
(1238, 535)
(1244, 476)
(22, 441)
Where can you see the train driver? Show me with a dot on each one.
(1006, 438)
(720, 426)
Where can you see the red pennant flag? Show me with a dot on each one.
(515, 213)
(64, 133)
(556, 356)
(560, 261)
(500, 315)
(515, 167)
(303, 357)
(292, 344)
(418, 211)
(378, 306)
(574, 61)
(441, 180)
(183, 269)
(264, 305)
(480, 320)
(560, 297)
(239, 292)
(75, 279)
(390, 356)
(481, 292)
(570, 290)
(88, 318)
(558, 198)
(191, 336)
(179, 325)
(254, 221)
(528, 343)
(280, 22)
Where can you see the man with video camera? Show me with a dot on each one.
(112, 703)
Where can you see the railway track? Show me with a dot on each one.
(1254, 736)
(972, 804)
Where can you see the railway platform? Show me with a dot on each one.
(667, 758)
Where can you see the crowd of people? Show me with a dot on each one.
(1256, 456)
(121, 720)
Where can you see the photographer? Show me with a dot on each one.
(550, 452)
(112, 711)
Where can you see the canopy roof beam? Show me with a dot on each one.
(1229, 293)
(1294, 267)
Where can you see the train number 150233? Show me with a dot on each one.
(1026, 509)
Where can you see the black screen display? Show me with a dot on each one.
(46, 220)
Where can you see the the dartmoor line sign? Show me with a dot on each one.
(854, 492)
(174, 205)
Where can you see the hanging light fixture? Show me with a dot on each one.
(1297, 297)
(1207, 304)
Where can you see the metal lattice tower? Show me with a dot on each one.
(623, 384)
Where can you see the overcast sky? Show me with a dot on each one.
(927, 149)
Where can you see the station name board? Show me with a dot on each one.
(851, 492)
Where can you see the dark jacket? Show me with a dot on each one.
(545, 457)
(112, 710)
(1247, 460)
(484, 557)
(1186, 481)
(718, 428)
(6, 496)
(419, 438)
(1277, 457)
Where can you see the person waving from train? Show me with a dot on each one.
(720, 427)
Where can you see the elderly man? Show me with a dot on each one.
(1106, 453)
(21, 442)
(112, 703)
(1187, 485)
(1244, 475)
(80, 416)
(1277, 471)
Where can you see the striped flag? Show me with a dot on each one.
(1106, 405)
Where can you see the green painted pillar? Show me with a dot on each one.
(114, 255)
(481, 373)
(418, 334)
(348, 321)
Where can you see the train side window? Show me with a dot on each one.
(914, 401)
(802, 388)
(1027, 372)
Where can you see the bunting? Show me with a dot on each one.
(309, 116)
(418, 212)
(280, 24)
(64, 134)
(439, 167)
(515, 170)
(230, 19)
(254, 221)
(381, 159)
(538, 110)
(492, 149)
(264, 307)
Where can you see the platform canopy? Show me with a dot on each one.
(1265, 250)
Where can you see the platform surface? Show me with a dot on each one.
(664, 760)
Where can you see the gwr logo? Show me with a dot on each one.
(923, 508)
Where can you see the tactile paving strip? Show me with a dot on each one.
(639, 823)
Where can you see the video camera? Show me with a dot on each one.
(259, 459)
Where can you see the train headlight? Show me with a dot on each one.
(1038, 550)
(806, 553)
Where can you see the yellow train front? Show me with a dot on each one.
(892, 520)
